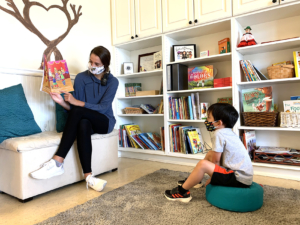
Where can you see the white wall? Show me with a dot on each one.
(20, 48)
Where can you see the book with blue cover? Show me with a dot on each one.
(190, 108)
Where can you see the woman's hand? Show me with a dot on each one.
(69, 98)
(57, 98)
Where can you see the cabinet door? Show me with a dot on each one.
(287, 1)
(177, 14)
(242, 6)
(122, 20)
(148, 17)
(209, 10)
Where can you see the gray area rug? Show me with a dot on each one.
(142, 202)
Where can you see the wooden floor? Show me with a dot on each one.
(52, 203)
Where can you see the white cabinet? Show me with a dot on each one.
(133, 19)
(287, 1)
(177, 14)
(243, 6)
(209, 10)
(123, 22)
(148, 17)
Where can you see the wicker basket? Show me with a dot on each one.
(260, 119)
(281, 71)
(130, 110)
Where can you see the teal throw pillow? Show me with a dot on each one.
(16, 118)
(61, 116)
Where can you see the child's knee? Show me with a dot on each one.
(202, 163)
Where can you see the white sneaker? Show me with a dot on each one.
(95, 183)
(48, 170)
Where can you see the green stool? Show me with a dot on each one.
(236, 199)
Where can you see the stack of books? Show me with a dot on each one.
(130, 135)
(185, 139)
(251, 72)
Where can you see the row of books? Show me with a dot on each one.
(186, 139)
(251, 72)
(131, 136)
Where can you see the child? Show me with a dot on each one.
(62, 77)
(234, 169)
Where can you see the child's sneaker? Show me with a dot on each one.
(48, 170)
(174, 195)
(181, 182)
(95, 183)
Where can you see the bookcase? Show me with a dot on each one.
(267, 25)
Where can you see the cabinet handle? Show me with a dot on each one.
(136, 35)
(196, 21)
(274, 1)
(132, 37)
(190, 22)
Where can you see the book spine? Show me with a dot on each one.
(247, 71)
(140, 141)
(170, 108)
(296, 63)
(180, 108)
(150, 137)
(146, 137)
(145, 142)
(253, 70)
(250, 69)
(243, 68)
(194, 106)
(187, 113)
(169, 77)
(198, 106)
(190, 108)
(189, 142)
(136, 141)
(178, 140)
(177, 109)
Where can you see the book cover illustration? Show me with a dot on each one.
(157, 59)
(132, 130)
(224, 46)
(194, 142)
(56, 77)
(258, 100)
(200, 77)
(148, 108)
(225, 100)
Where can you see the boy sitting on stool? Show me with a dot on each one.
(228, 164)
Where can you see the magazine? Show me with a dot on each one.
(56, 77)
(200, 77)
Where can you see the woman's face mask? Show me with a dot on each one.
(210, 125)
(95, 70)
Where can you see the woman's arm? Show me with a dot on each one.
(59, 100)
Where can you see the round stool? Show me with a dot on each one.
(236, 199)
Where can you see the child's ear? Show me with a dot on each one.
(220, 123)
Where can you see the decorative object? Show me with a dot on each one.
(16, 118)
(157, 60)
(204, 53)
(260, 119)
(144, 93)
(247, 38)
(224, 46)
(200, 77)
(184, 52)
(147, 192)
(133, 110)
(146, 62)
(26, 21)
(128, 67)
(281, 71)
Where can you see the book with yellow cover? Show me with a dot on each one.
(133, 130)
(297, 62)
(194, 141)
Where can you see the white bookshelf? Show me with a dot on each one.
(142, 115)
(267, 25)
(137, 97)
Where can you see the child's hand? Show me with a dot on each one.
(208, 182)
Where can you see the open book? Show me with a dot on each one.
(56, 77)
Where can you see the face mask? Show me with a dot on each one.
(210, 126)
(96, 70)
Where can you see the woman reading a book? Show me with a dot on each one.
(89, 111)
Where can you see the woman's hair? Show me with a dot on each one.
(104, 56)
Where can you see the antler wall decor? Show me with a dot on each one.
(26, 21)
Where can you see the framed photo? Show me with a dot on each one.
(184, 52)
(128, 67)
(146, 62)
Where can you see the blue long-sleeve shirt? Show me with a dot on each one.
(88, 89)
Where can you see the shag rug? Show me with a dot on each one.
(142, 202)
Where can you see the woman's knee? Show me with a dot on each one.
(76, 110)
(84, 125)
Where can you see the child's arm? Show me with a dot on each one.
(216, 157)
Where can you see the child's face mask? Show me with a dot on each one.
(210, 125)
(95, 70)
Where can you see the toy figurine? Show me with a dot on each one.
(247, 38)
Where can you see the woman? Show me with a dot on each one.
(90, 111)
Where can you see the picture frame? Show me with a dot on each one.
(184, 52)
(128, 67)
(145, 62)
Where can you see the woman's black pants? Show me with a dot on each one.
(82, 123)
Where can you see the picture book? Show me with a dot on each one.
(224, 46)
(291, 106)
(56, 77)
(296, 55)
(250, 142)
(225, 100)
(195, 143)
(200, 77)
(148, 108)
(155, 139)
(132, 130)
(258, 100)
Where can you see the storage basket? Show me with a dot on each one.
(281, 71)
(278, 158)
(130, 110)
(260, 119)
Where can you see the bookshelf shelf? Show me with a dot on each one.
(141, 74)
(190, 121)
(201, 90)
(137, 97)
(188, 156)
(145, 151)
(270, 82)
(268, 128)
(270, 47)
(141, 43)
(143, 115)
(208, 59)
